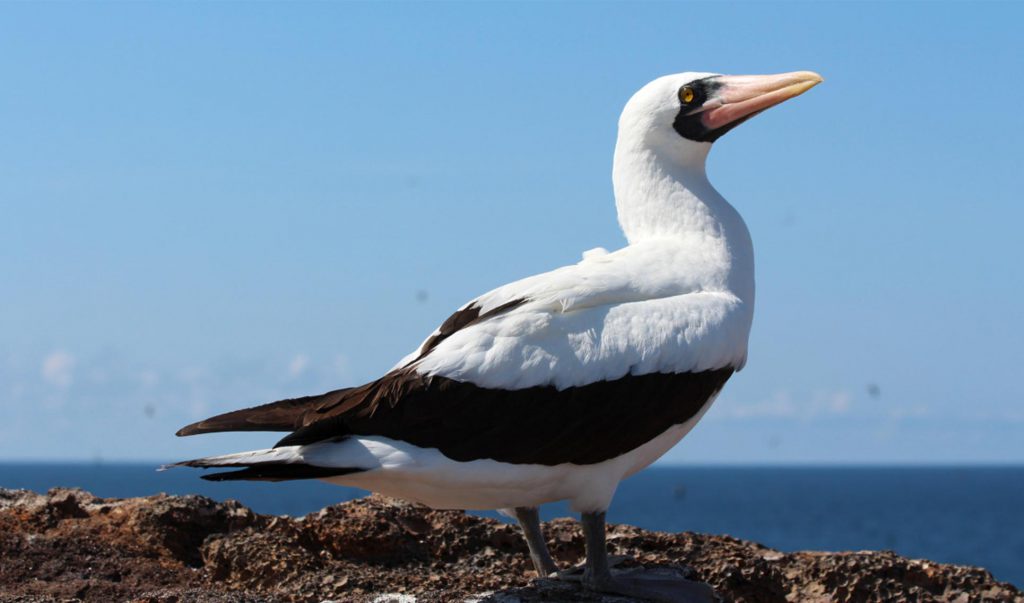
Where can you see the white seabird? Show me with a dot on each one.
(560, 385)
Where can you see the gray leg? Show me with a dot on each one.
(654, 586)
(596, 572)
(529, 520)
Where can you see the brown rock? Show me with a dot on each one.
(69, 545)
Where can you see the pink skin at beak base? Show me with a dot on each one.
(742, 95)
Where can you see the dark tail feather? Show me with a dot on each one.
(280, 472)
(284, 415)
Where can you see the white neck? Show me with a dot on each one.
(662, 192)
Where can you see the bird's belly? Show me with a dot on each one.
(426, 476)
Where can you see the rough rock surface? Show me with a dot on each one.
(69, 545)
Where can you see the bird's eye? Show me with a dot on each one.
(686, 94)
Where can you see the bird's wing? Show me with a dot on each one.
(636, 273)
(570, 344)
(639, 310)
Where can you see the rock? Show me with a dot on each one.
(69, 545)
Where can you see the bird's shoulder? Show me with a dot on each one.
(611, 314)
(632, 273)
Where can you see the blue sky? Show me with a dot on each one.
(208, 206)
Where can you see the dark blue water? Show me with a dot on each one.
(969, 515)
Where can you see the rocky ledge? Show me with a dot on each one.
(69, 545)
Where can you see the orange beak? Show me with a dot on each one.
(741, 96)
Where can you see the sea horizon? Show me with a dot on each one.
(924, 464)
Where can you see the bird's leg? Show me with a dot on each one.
(596, 570)
(597, 576)
(529, 520)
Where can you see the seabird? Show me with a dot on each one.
(559, 385)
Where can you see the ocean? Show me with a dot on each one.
(963, 515)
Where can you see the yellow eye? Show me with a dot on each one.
(686, 94)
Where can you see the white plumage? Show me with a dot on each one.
(676, 301)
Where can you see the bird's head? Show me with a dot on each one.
(688, 111)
